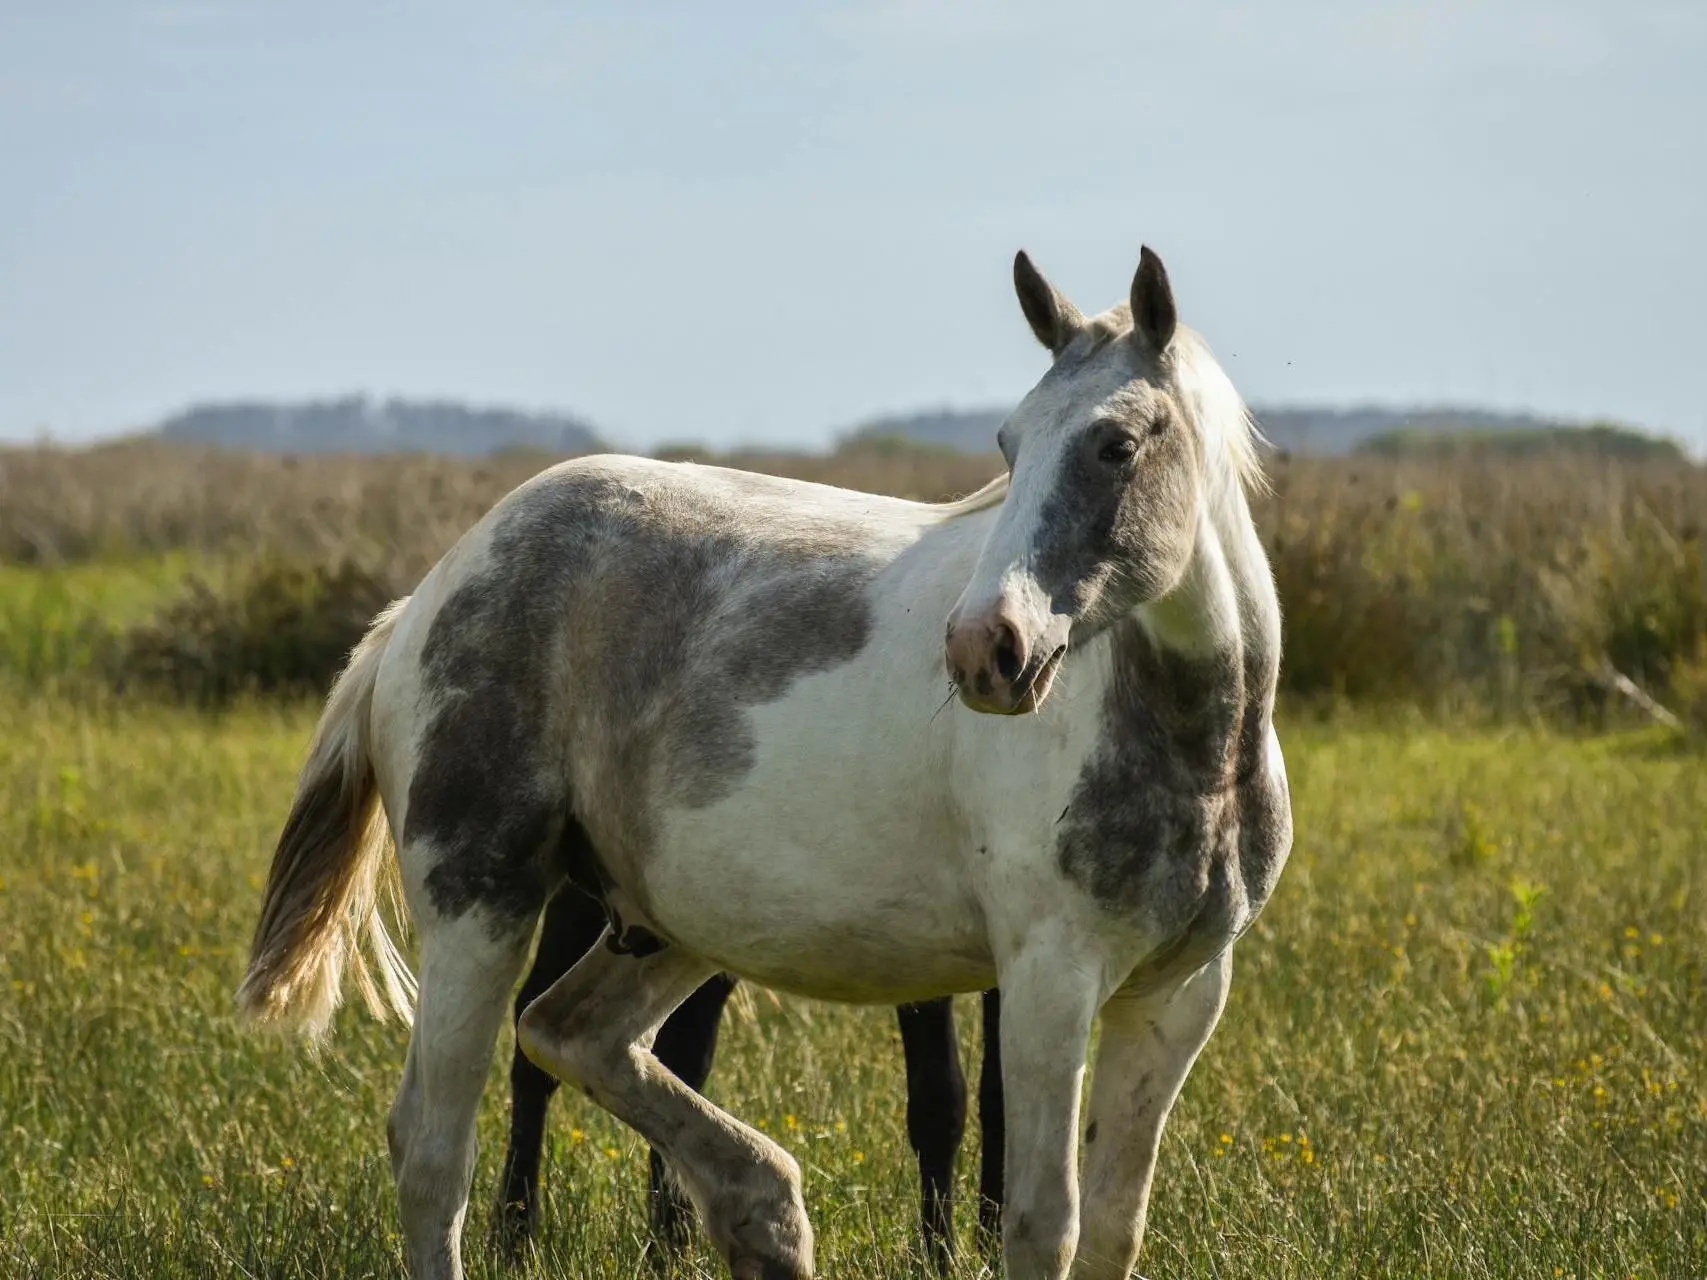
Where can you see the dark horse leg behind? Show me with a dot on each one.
(686, 1045)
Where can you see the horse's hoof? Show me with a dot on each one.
(511, 1235)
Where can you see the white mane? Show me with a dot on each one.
(1229, 433)
(990, 495)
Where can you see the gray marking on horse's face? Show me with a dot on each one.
(620, 632)
(1117, 528)
(1175, 818)
(1112, 441)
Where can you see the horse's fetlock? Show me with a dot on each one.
(1044, 1236)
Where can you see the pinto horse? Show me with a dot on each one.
(685, 1046)
(713, 701)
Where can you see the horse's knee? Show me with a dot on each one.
(570, 1049)
(550, 1047)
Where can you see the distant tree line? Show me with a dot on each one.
(360, 424)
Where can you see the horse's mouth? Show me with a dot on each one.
(1028, 692)
(1031, 691)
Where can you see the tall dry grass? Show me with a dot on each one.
(1528, 586)
(1522, 583)
(396, 512)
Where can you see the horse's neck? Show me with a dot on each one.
(1201, 663)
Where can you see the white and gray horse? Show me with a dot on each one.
(716, 701)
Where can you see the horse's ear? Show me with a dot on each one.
(1153, 314)
(1054, 320)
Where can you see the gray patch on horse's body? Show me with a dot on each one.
(601, 663)
(1174, 817)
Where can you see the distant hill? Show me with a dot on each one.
(1603, 440)
(1314, 430)
(359, 424)
(967, 430)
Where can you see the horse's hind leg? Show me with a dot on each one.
(936, 1116)
(595, 1028)
(468, 965)
(573, 923)
(1148, 1046)
(686, 1045)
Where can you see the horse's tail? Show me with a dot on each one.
(322, 890)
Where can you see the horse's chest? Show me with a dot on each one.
(1132, 844)
(1191, 864)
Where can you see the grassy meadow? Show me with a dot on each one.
(1466, 1039)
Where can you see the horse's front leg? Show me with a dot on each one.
(1050, 995)
(1148, 1046)
(595, 1028)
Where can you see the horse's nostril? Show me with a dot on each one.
(1010, 659)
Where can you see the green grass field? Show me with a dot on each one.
(1466, 1039)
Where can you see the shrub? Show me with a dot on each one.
(280, 628)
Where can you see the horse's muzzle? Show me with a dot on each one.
(995, 669)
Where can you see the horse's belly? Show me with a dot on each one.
(874, 921)
(851, 965)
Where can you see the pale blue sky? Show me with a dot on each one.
(765, 222)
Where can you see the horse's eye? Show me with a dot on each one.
(1120, 449)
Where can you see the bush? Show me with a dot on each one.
(1519, 586)
(282, 628)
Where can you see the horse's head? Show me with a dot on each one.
(1105, 483)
